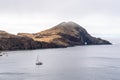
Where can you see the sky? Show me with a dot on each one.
(96, 16)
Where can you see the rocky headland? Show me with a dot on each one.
(65, 34)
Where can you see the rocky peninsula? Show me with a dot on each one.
(65, 34)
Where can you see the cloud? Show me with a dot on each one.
(94, 15)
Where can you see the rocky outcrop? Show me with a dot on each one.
(62, 35)
(68, 34)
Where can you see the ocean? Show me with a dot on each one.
(92, 62)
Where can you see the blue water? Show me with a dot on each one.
(95, 62)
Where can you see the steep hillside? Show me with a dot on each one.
(64, 34)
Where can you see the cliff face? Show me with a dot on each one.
(62, 35)
(14, 42)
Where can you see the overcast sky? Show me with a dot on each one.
(97, 16)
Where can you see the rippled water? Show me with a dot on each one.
(74, 63)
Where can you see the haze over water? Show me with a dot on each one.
(94, 62)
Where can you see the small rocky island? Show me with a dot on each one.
(65, 34)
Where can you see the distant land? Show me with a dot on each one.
(65, 34)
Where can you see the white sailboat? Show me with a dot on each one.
(38, 62)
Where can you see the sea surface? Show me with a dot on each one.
(93, 62)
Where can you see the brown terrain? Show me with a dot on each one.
(64, 34)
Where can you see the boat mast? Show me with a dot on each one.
(37, 59)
